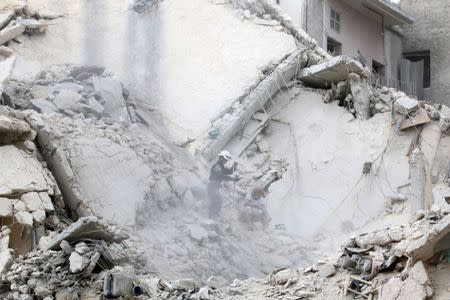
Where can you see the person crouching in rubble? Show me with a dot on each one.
(253, 208)
(220, 171)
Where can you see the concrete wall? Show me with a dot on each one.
(431, 31)
(393, 54)
(314, 21)
(358, 32)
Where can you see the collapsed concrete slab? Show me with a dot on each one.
(416, 286)
(13, 130)
(87, 228)
(21, 172)
(255, 101)
(11, 32)
(432, 242)
(111, 92)
(334, 70)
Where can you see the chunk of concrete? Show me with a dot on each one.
(334, 70)
(32, 201)
(39, 216)
(361, 95)
(184, 284)
(405, 105)
(13, 130)
(6, 261)
(24, 218)
(39, 91)
(6, 68)
(416, 286)
(67, 100)
(46, 202)
(11, 32)
(32, 25)
(432, 242)
(44, 106)
(95, 106)
(110, 90)
(77, 262)
(6, 207)
(87, 228)
(5, 17)
(197, 233)
(21, 173)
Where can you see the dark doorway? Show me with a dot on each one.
(424, 56)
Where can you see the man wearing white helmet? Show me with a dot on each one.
(219, 172)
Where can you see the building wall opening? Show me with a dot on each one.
(334, 47)
(378, 68)
(424, 56)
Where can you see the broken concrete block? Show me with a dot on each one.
(87, 228)
(18, 206)
(184, 284)
(42, 292)
(416, 286)
(24, 218)
(117, 285)
(67, 100)
(418, 180)
(5, 17)
(95, 106)
(327, 270)
(334, 70)
(361, 95)
(432, 242)
(6, 261)
(11, 32)
(32, 201)
(32, 25)
(39, 91)
(197, 233)
(110, 90)
(46, 202)
(77, 262)
(13, 130)
(6, 207)
(39, 216)
(284, 276)
(406, 105)
(6, 68)
(44, 106)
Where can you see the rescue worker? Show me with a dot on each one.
(221, 171)
(253, 208)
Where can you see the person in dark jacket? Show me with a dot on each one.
(219, 173)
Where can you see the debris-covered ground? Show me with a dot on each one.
(104, 174)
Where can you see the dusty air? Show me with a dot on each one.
(224, 149)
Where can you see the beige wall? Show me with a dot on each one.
(295, 10)
(358, 32)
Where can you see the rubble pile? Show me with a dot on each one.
(16, 20)
(389, 263)
(74, 91)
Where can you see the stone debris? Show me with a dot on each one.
(73, 90)
(87, 228)
(332, 71)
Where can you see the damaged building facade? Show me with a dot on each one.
(427, 41)
(365, 30)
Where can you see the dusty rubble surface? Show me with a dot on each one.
(98, 186)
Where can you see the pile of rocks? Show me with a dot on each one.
(75, 91)
(390, 263)
(67, 263)
(17, 19)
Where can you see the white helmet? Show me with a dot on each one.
(225, 154)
